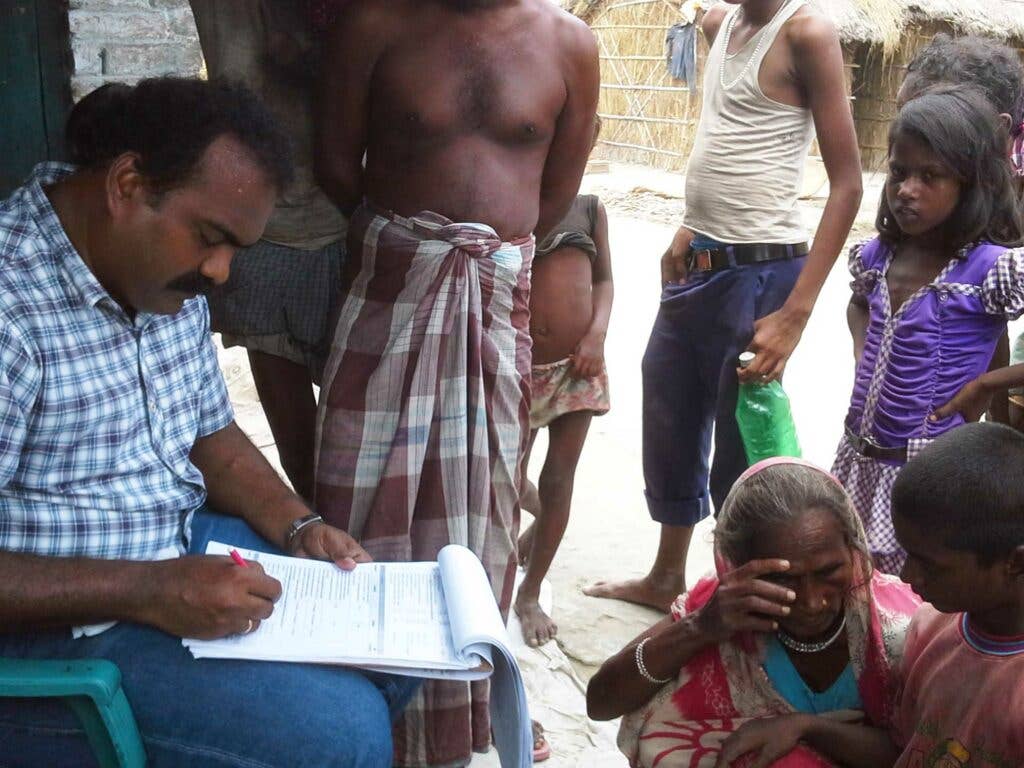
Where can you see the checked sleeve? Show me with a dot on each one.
(19, 386)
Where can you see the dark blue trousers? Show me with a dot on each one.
(689, 385)
(209, 713)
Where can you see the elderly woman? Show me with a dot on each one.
(787, 658)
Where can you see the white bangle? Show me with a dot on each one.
(638, 655)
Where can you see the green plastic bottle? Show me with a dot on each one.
(764, 418)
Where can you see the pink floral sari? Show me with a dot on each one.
(685, 723)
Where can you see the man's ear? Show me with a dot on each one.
(126, 186)
(1015, 563)
(1007, 120)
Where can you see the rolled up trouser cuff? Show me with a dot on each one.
(679, 512)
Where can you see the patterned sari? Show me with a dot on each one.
(424, 417)
(721, 688)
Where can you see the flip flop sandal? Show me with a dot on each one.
(541, 748)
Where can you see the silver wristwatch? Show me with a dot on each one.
(298, 525)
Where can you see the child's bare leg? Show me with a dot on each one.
(285, 389)
(529, 501)
(566, 435)
(525, 545)
(666, 579)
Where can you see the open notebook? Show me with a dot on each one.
(435, 620)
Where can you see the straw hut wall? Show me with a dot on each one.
(650, 118)
(883, 63)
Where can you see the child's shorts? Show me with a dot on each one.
(554, 393)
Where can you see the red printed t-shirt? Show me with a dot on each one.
(962, 704)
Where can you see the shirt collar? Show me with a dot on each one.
(962, 253)
(990, 644)
(81, 282)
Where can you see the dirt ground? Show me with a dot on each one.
(610, 533)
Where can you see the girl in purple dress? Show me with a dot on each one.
(931, 296)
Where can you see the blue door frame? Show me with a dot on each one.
(35, 90)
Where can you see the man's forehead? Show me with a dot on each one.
(227, 167)
(229, 189)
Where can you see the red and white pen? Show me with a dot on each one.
(238, 558)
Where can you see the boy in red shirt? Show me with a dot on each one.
(958, 510)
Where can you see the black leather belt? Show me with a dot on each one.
(711, 259)
(867, 447)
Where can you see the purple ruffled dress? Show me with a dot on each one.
(916, 359)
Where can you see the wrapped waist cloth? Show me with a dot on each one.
(424, 416)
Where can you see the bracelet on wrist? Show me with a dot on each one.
(638, 656)
(299, 525)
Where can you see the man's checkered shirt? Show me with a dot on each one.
(98, 412)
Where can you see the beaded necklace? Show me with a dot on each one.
(757, 48)
(801, 647)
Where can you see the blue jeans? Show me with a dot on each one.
(690, 384)
(209, 712)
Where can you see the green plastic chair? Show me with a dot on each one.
(92, 688)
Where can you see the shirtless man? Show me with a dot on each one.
(479, 110)
(475, 117)
(738, 274)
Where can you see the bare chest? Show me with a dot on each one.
(451, 85)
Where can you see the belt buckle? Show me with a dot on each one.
(861, 443)
(702, 260)
(870, 446)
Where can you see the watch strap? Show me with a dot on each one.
(298, 525)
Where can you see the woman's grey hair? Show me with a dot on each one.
(774, 498)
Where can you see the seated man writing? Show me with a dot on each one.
(115, 427)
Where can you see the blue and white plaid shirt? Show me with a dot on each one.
(98, 412)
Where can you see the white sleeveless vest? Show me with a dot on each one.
(746, 168)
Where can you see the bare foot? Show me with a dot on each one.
(538, 628)
(655, 593)
(525, 545)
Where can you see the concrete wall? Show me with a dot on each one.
(126, 40)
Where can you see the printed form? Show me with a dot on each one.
(401, 618)
(392, 613)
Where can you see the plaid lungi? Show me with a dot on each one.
(424, 417)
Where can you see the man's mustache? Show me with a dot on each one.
(194, 283)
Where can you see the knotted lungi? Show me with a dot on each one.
(424, 418)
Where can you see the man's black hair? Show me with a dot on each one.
(169, 122)
(990, 66)
(963, 129)
(968, 488)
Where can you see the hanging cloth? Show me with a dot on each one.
(681, 52)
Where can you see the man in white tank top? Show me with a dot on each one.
(739, 274)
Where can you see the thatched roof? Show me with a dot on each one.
(883, 21)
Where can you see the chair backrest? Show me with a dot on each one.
(92, 688)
